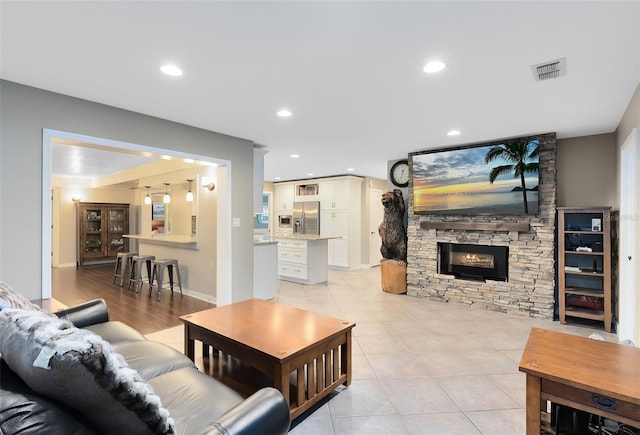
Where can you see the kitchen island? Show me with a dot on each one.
(302, 258)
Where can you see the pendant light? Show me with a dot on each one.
(166, 198)
(147, 199)
(190, 193)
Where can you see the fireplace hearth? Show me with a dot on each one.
(474, 262)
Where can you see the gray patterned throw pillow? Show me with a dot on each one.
(77, 367)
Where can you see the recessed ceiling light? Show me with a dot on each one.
(284, 113)
(453, 132)
(311, 174)
(277, 178)
(433, 67)
(171, 70)
(350, 169)
(294, 156)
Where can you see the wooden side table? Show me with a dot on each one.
(590, 375)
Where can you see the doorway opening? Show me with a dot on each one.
(223, 188)
(376, 216)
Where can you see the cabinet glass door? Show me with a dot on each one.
(116, 220)
(117, 226)
(93, 232)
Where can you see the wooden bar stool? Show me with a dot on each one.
(158, 274)
(122, 260)
(136, 270)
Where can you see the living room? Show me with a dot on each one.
(587, 173)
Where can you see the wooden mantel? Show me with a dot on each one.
(476, 226)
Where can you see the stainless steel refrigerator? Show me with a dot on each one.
(306, 218)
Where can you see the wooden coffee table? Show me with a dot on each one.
(282, 342)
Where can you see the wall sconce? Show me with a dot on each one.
(147, 199)
(166, 198)
(75, 199)
(190, 193)
(207, 183)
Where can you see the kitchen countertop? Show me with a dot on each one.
(301, 237)
(164, 238)
(264, 242)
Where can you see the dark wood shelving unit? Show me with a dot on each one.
(584, 264)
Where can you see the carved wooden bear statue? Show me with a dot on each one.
(392, 232)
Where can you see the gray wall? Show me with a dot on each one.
(25, 111)
(587, 171)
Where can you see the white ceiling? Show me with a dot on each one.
(81, 159)
(351, 72)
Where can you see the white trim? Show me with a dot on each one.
(131, 146)
(65, 265)
(197, 295)
(46, 213)
(628, 311)
(224, 295)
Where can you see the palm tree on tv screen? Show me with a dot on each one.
(519, 153)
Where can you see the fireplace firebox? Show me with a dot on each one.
(474, 262)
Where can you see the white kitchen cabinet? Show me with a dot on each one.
(340, 193)
(302, 261)
(344, 195)
(325, 194)
(336, 224)
(307, 191)
(338, 252)
(284, 197)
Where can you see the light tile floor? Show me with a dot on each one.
(419, 366)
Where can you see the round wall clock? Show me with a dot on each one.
(399, 173)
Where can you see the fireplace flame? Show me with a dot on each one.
(473, 260)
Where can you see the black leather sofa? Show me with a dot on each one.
(197, 403)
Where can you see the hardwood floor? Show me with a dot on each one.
(71, 287)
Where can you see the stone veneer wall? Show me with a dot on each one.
(530, 289)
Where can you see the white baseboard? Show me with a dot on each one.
(65, 265)
(198, 295)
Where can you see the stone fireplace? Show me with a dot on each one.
(529, 278)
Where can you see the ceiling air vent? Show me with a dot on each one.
(550, 70)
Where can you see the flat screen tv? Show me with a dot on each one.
(494, 178)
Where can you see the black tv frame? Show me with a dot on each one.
(471, 154)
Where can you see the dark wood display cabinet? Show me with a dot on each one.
(101, 230)
(584, 264)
